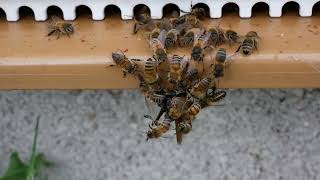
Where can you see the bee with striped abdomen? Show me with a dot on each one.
(158, 129)
(171, 38)
(232, 37)
(250, 43)
(199, 90)
(150, 71)
(127, 65)
(220, 60)
(176, 69)
(59, 27)
(176, 107)
(157, 45)
(217, 36)
(201, 42)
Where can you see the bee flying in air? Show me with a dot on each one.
(127, 65)
(59, 27)
(159, 52)
(250, 43)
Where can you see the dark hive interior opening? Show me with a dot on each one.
(25, 11)
(83, 11)
(170, 10)
(112, 11)
(230, 8)
(2, 14)
(260, 8)
(316, 9)
(54, 11)
(290, 8)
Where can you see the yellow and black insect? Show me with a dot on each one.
(199, 90)
(220, 60)
(232, 37)
(176, 107)
(171, 38)
(59, 27)
(127, 65)
(159, 128)
(176, 69)
(250, 43)
(157, 45)
(150, 71)
(199, 46)
(217, 36)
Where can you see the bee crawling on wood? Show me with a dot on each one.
(217, 36)
(59, 27)
(157, 45)
(171, 38)
(250, 43)
(232, 37)
(127, 65)
(176, 69)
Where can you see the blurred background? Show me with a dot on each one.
(256, 134)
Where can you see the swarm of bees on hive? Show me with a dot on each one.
(180, 85)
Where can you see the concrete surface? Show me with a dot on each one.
(257, 134)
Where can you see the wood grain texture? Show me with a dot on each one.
(289, 56)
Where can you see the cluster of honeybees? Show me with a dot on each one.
(181, 86)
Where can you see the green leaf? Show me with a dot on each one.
(16, 170)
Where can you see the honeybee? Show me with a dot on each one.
(190, 77)
(193, 111)
(159, 52)
(171, 38)
(184, 127)
(199, 90)
(176, 107)
(200, 44)
(158, 129)
(143, 85)
(155, 33)
(220, 59)
(189, 37)
(217, 36)
(59, 27)
(232, 37)
(127, 65)
(141, 19)
(176, 69)
(214, 97)
(150, 71)
(250, 43)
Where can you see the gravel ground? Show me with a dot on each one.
(257, 134)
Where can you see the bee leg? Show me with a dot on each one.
(51, 32)
(238, 48)
(68, 34)
(59, 32)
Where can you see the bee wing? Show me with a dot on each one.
(162, 36)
